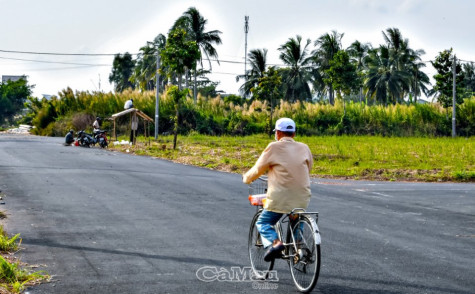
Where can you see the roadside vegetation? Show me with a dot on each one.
(14, 275)
(348, 157)
(238, 116)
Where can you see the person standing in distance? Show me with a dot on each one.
(97, 125)
(288, 164)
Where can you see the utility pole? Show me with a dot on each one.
(454, 73)
(157, 97)
(99, 82)
(246, 30)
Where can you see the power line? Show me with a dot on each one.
(54, 62)
(61, 54)
(60, 68)
(143, 54)
(109, 54)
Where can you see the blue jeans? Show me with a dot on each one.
(265, 225)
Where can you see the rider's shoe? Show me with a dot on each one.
(273, 252)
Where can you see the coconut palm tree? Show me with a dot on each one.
(396, 43)
(327, 46)
(412, 63)
(469, 77)
(358, 53)
(408, 60)
(145, 69)
(384, 81)
(257, 59)
(297, 76)
(194, 25)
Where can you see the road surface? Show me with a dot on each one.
(107, 222)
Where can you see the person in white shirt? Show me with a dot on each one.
(97, 124)
(129, 104)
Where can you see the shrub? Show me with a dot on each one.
(237, 116)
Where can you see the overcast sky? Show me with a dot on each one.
(118, 26)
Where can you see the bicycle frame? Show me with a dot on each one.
(290, 231)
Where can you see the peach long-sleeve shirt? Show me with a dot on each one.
(288, 164)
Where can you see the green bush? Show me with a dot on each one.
(237, 116)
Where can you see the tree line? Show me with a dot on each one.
(321, 70)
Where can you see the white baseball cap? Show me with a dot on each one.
(285, 125)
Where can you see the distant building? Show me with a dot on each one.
(12, 78)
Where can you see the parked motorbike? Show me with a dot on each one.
(101, 138)
(86, 140)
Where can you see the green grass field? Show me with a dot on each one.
(355, 157)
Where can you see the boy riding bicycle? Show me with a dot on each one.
(288, 164)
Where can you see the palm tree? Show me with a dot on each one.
(395, 42)
(145, 70)
(257, 59)
(469, 77)
(327, 46)
(408, 60)
(194, 25)
(420, 80)
(358, 53)
(384, 81)
(298, 74)
(413, 64)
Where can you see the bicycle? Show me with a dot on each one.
(302, 242)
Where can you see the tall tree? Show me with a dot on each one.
(444, 79)
(298, 74)
(327, 46)
(342, 74)
(258, 62)
(384, 81)
(178, 55)
(419, 80)
(404, 58)
(194, 25)
(469, 78)
(268, 90)
(145, 70)
(122, 68)
(13, 95)
(395, 42)
(358, 53)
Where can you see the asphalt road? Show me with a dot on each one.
(106, 222)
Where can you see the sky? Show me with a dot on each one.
(110, 27)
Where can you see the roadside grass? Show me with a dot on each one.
(14, 278)
(351, 157)
(8, 244)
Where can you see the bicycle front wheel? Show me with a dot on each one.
(260, 267)
(305, 256)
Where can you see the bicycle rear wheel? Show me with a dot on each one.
(260, 267)
(305, 263)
